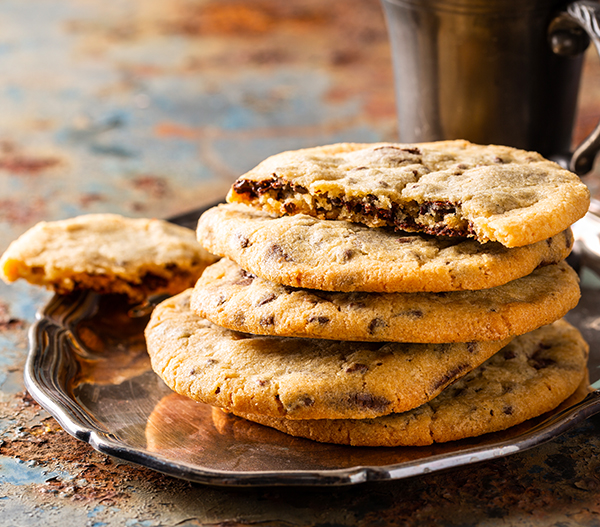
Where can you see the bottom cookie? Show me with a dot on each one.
(530, 376)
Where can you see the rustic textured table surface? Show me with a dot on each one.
(150, 108)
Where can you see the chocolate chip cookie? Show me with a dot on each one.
(303, 251)
(450, 188)
(107, 253)
(531, 375)
(299, 378)
(231, 297)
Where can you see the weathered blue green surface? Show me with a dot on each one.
(153, 107)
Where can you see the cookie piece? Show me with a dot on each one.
(302, 251)
(531, 375)
(299, 378)
(229, 296)
(450, 188)
(107, 253)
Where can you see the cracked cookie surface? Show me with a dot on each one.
(303, 251)
(528, 377)
(453, 188)
(299, 378)
(233, 298)
(107, 253)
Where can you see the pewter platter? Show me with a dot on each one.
(88, 367)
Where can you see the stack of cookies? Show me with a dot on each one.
(383, 294)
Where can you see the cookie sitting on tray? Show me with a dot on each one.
(299, 378)
(107, 253)
(530, 376)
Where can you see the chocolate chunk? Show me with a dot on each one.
(221, 300)
(307, 401)
(244, 241)
(449, 377)
(569, 238)
(357, 367)
(276, 252)
(540, 363)
(245, 278)
(508, 410)
(368, 401)
(318, 319)
(266, 299)
(375, 324)
(347, 255)
(268, 320)
(509, 354)
(289, 207)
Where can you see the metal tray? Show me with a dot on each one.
(88, 367)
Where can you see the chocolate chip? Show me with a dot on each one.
(509, 354)
(239, 318)
(347, 255)
(356, 367)
(266, 299)
(508, 410)
(375, 324)
(244, 241)
(307, 401)
(569, 238)
(290, 207)
(318, 319)
(472, 347)
(276, 252)
(245, 278)
(218, 390)
(383, 184)
(368, 401)
(449, 377)
(540, 363)
(221, 300)
(268, 320)
(262, 382)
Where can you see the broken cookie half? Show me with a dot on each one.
(107, 253)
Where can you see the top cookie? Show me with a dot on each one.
(107, 253)
(451, 188)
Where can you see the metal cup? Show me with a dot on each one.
(493, 71)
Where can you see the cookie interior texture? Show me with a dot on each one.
(229, 296)
(530, 376)
(451, 188)
(299, 378)
(107, 253)
(303, 251)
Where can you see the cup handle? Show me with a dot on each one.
(586, 15)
